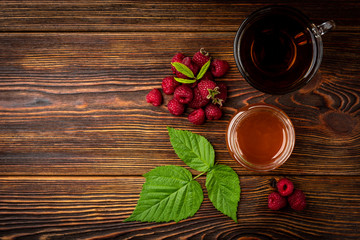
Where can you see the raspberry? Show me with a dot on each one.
(219, 67)
(198, 101)
(192, 85)
(297, 200)
(207, 76)
(285, 187)
(213, 112)
(175, 107)
(208, 89)
(191, 65)
(201, 57)
(169, 85)
(183, 94)
(154, 97)
(197, 116)
(221, 97)
(276, 201)
(177, 58)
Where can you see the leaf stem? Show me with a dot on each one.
(199, 175)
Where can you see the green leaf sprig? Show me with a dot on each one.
(170, 193)
(182, 68)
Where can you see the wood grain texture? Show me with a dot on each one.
(171, 15)
(76, 133)
(74, 103)
(94, 208)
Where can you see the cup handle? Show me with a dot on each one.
(326, 26)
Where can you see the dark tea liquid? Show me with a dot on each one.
(277, 52)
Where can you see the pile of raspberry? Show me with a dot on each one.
(205, 96)
(286, 194)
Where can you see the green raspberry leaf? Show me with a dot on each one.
(223, 186)
(183, 69)
(183, 80)
(169, 193)
(195, 150)
(203, 70)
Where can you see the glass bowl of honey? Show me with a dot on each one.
(260, 137)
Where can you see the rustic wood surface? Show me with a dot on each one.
(76, 134)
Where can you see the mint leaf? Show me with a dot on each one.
(169, 193)
(203, 70)
(183, 69)
(183, 80)
(195, 150)
(223, 186)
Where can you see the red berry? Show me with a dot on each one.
(177, 58)
(276, 201)
(219, 67)
(285, 187)
(208, 89)
(198, 101)
(213, 112)
(222, 96)
(191, 65)
(197, 116)
(169, 85)
(183, 94)
(201, 57)
(192, 85)
(154, 97)
(207, 76)
(297, 200)
(175, 107)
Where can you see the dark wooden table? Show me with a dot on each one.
(76, 133)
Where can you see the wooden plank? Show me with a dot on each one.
(171, 15)
(94, 208)
(74, 104)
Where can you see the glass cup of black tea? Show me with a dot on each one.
(278, 49)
